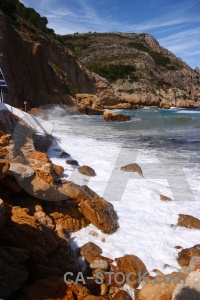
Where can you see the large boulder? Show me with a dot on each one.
(114, 117)
(100, 213)
(131, 263)
(159, 288)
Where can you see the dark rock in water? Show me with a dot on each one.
(88, 171)
(64, 154)
(72, 162)
(113, 117)
(132, 168)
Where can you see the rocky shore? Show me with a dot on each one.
(38, 211)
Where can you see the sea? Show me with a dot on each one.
(165, 143)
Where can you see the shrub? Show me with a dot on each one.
(113, 72)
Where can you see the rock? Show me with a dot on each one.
(110, 117)
(88, 171)
(2, 211)
(24, 231)
(132, 168)
(20, 171)
(69, 218)
(188, 222)
(185, 255)
(190, 289)
(94, 298)
(131, 263)
(53, 287)
(20, 254)
(99, 264)
(100, 213)
(165, 198)
(12, 183)
(115, 280)
(90, 251)
(64, 154)
(162, 290)
(72, 162)
(79, 290)
(104, 289)
(12, 274)
(122, 295)
(58, 170)
(62, 259)
(4, 167)
(18, 159)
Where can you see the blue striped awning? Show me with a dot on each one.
(3, 84)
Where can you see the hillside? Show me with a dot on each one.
(137, 67)
(89, 70)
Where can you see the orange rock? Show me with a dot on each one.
(110, 117)
(165, 198)
(90, 251)
(58, 170)
(122, 295)
(159, 291)
(185, 255)
(188, 221)
(4, 167)
(100, 213)
(131, 263)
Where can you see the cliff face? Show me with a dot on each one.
(153, 75)
(41, 71)
(27, 71)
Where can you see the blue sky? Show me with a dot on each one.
(174, 23)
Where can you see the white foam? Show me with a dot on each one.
(147, 225)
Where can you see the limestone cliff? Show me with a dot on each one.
(41, 70)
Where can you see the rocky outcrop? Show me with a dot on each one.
(114, 117)
(26, 62)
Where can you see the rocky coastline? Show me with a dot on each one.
(38, 211)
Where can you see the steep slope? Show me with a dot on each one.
(152, 74)
(40, 70)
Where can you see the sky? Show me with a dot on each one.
(174, 23)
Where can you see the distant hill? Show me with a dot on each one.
(110, 69)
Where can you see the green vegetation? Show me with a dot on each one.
(158, 57)
(12, 8)
(114, 72)
(138, 46)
